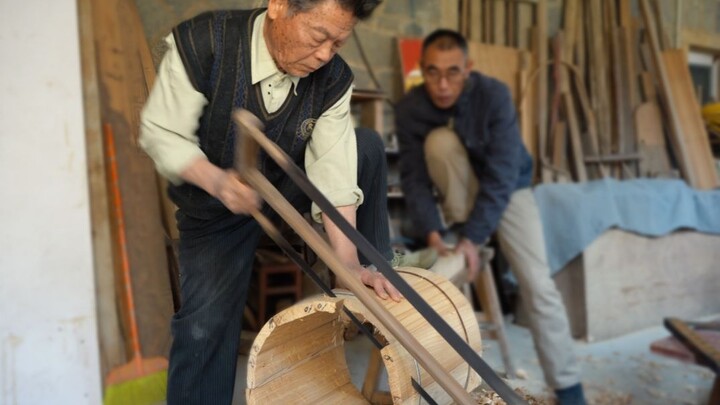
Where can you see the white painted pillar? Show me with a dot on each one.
(48, 334)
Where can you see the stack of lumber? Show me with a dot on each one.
(605, 96)
(623, 102)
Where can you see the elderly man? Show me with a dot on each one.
(280, 63)
(458, 133)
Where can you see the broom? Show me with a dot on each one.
(140, 381)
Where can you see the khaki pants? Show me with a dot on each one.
(520, 234)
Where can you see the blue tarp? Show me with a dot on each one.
(573, 215)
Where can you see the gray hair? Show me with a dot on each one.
(361, 9)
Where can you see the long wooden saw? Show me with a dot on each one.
(249, 139)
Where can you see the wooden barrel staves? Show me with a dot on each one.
(299, 357)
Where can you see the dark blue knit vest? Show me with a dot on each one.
(215, 50)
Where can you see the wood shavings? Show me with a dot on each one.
(486, 397)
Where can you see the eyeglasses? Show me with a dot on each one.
(452, 75)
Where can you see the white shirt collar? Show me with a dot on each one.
(262, 66)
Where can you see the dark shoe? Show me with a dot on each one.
(423, 259)
(572, 395)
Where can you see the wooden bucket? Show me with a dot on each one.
(298, 357)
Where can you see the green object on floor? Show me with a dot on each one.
(148, 390)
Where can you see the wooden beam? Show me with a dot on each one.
(542, 50)
(499, 23)
(449, 10)
(122, 79)
(681, 153)
(702, 40)
(694, 133)
(651, 141)
(112, 351)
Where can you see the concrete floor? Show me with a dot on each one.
(615, 372)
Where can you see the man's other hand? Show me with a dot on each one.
(469, 250)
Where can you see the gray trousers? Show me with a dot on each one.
(520, 234)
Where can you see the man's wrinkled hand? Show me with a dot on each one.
(382, 286)
(237, 196)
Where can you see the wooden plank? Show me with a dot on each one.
(599, 86)
(570, 28)
(499, 20)
(122, 80)
(627, 65)
(167, 207)
(487, 17)
(566, 52)
(663, 39)
(591, 146)
(648, 87)
(625, 13)
(511, 26)
(475, 22)
(652, 148)
(559, 155)
(575, 141)
(464, 28)
(676, 134)
(629, 42)
(701, 39)
(525, 16)
(450, 11)
(526, 104)
(541, 44)
(557, 80)
(623, 113)
(500, 62)
(112, 350)
(580, 44)
(692, 127)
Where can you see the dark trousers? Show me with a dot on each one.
(216, 259)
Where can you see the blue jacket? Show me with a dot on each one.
(486, 123)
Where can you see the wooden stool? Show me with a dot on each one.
(491, 318)
(276, 279)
